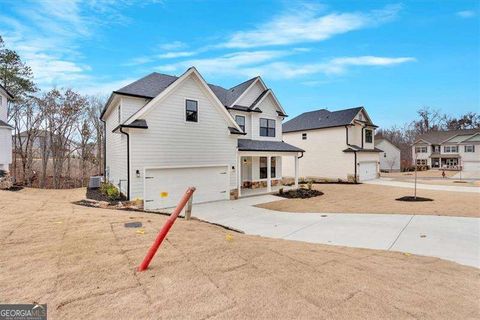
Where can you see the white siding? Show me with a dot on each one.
(5, 136)
(269, 111)
(171, 141)
(251, 95)
(116, 152)
(130, 105)
(390, 157)
(3, 107)
(324, 156)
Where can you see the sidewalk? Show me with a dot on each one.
(391, 183)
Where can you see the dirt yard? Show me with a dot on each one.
(365, 198)
(81, 262)
(433, 176)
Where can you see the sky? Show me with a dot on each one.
(390, 57)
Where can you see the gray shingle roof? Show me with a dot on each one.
(260, 145)
(437, 137)
(319, 119)
(153, 84)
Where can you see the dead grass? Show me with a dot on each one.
(433, 173)
(81, 262)
(365, 198)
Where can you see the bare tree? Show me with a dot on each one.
(61, 108)
(430, 120)
(96, 105)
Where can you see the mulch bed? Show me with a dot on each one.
(300, 193)
(413, 199)
(95, 194)
(14, 188)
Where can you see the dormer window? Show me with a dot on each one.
(191, 110)
(240, 120)
(267, 127)
(368, 136)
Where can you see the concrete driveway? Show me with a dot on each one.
(451, 238)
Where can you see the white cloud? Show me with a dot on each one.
(306, 25)
(171, 46)
(232, 63)
(466, 14)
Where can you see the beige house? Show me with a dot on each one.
(5, 131)
(454, 149)
(165, 133)
(338, 145)
(390, 156)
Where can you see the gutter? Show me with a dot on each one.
(128, 161)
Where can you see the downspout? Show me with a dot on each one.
(363, 128)
(128, 162)
(301, 156)
(104, 150)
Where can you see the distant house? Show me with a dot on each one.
(5, 131)
(455, 149)
(40, 141)
(391, 155)
(338, 144)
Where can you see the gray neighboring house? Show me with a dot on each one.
(5, 131)
(454, 149)
(390, 157)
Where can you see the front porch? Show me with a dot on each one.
(449, 162)
(261, 173)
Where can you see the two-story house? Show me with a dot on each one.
(339, 145)
(165, 133)
(5, 131)
(454, 149)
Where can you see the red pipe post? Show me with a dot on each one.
(166, 227)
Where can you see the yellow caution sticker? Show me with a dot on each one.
(228, 237)
(140, 231)
(163, 194)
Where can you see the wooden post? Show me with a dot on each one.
(415, 190)
(188, 208)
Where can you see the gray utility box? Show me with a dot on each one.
(95, 182)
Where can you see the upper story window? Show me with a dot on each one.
(422, 149)
(450, 149)
(191, 110)
(368, 136)
(119, 114)
(304, 136)
(436, 148)
(267, 127)
(240, 120)
(470, 148)
(384, 154)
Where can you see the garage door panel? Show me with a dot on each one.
(165, 187)
(367, 171)
(471, 166)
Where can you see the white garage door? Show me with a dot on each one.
(367, 171)
(471, 166)
(165, 187)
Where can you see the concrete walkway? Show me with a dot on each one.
(401, 184)
(451, 238)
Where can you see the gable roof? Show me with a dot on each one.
(320, 119)
(191, 71)
(379, 139)
(6, 91)
(3, 124)
(437, 137)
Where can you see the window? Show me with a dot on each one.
(368, 136)
(436, 149)
(450, 149)
(422, 149)
(263, 167)
(384, 154)
(267, 127)
(470, 148)
(273, 166)
(191, 108)
(421, 162)
(240, 120)
(304, 136)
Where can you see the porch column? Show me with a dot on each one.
(269, 174)
(239, 176)
(296, 171)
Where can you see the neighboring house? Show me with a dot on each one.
(391, 155)
(165, 133)
(40, 142)
(455, 149)
(5, 131)
(338, 144)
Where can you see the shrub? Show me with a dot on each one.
(280, 191)
(110, 191)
